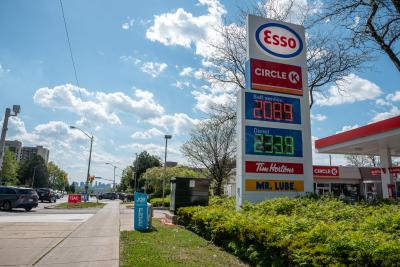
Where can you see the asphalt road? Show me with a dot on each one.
(29, 238)
(40, 208)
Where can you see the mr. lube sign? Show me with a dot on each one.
(274, 137)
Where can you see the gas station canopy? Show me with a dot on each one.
(365, 140)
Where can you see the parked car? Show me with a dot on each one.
(18, 197)
(46, 194)
(121, 196)
(108, 195)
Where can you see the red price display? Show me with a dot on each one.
(265, 107)
(270, 110)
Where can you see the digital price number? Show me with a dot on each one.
(273, 142)
(272, 108)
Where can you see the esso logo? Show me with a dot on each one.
(279, 40)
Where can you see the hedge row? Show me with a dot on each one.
(301, 231)
(157, 202)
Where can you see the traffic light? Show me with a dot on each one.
(91, 178)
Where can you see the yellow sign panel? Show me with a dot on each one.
(274, 185)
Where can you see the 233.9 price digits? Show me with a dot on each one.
(274, 144)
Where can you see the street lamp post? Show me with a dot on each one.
(33, 176)
(90, 156)
(167, 136)
(115, 167)
(8, 114)
(136, 168)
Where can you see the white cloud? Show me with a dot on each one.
(181, 84)
(323, 159)
(318, 117)
(100, 107)
(294, 11)
(186, 71)
(349, 90)
(128, 24)
(215, 94)
(179, 123)
(393, 97)
(153, 149)
(394, 111)
(183, 29)
(3, 69)
(147, 134)
(136, 61)
(382, 102)
(205, 100)
(348, 128)
(153, 68)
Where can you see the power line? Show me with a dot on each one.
(70, 49)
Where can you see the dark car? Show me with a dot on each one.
(109, 195)
(46, 194)
(17, 197)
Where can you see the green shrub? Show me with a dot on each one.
(157, 202)
(301, 231)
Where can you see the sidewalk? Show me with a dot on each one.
(93, 243)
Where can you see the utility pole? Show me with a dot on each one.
(90, 159)
(8, 114)
(34, 172)
(167, 136)
(136, 167)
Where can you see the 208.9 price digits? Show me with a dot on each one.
(276, 111)
(274, 144)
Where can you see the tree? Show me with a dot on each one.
(211, 145)
(374, 24)
(328, 58)
(9, 172)
(363, 161)
(57, 177)
(72, 188)
(154, 177)
(143, 161)
(34, 165)
(126, 179)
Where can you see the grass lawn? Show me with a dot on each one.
(171, 246)
(82, 205)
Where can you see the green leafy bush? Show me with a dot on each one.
(301, 231)
(157, 202)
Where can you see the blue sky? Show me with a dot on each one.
(139, 76)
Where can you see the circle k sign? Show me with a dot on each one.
(279, 40)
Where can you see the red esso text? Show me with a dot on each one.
(275, 39)
(279, 41)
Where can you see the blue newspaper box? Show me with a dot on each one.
(141, 216)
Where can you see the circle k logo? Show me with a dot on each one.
(294, 77)
(279, 40)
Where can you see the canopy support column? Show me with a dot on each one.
(386, 163)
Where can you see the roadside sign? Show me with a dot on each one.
(140, 220)
(274, 156)
(326, 171)
(74, 198)
(274, 77)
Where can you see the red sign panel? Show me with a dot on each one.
(74, 198)
(276, 77)
(394, 170)
(274, 167)
(375, 171)
(326, 171)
